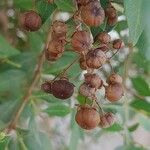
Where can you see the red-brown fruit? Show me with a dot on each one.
(30, 21)
(46, 87)
(93, 80)
(82, 2)
(118, 44)
(82, 63)
(81, 41)
(62, 89)
(114, 92)
(86, 90)
(103, 37)
(110, 12)
(59, 30)
(87, 118)
(107, 120)
(93, 14)
(114, 78)
(52, 56)
(112, 21)
(95, 58)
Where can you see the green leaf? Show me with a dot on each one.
(6, 50)
(114, 128)
(134, 13)
(82, 99)
(23, 4)
(45, 9)
(58, 109)
(65, 5)
(141, 86)
(133, 127)
(141, 105)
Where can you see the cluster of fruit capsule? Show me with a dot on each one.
(92, 14)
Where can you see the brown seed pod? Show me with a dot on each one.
(30, 21)
(82, 63)
(59, 30)
(87, 118)
(81, 41)
(86, 90)
(56, 46)
(107, 120)
(118, 44)
(114, 92)
(46, 87)
(95, 58)
(92, 14)
(104, 47)
(103, 37)
(51, 56)
(114, 78)
(62, 89)
(112, 21)
(110, 12)
(93, 80)
(82, 2)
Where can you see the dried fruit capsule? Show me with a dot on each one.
(107, 120)
(62, 89)
(110, 12)
(82, 63)
(86, 90)
(93, 80)
(87, 117)
(59, 30)
(30, 21)
(92, 14)
(111, 15)
(118, 44)
(114, 92)
(95, 58)
(52, 56)
(114, 78)
(82, 2)
(46, 87)
(103, 37)
(81, 41)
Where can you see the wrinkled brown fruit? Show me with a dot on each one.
(87, 118)
(107, 120)
(82, 63)
(92, 14)
(118, 44)
(81, 41)
(46, 87)
(30, 21)
(59, 30)
(114, 92)
(114, 78)
(86, 90)
(93, 80)
(62, 89)
(95, 58)
(83, 2)
(103, 37)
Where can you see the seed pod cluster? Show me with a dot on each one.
(61, 89)
(114, 90)
(111, 14)
(30, 21)
(58, 40)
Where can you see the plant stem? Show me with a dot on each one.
(126, 110)
(25, 100)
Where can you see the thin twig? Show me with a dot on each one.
(25, 100)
